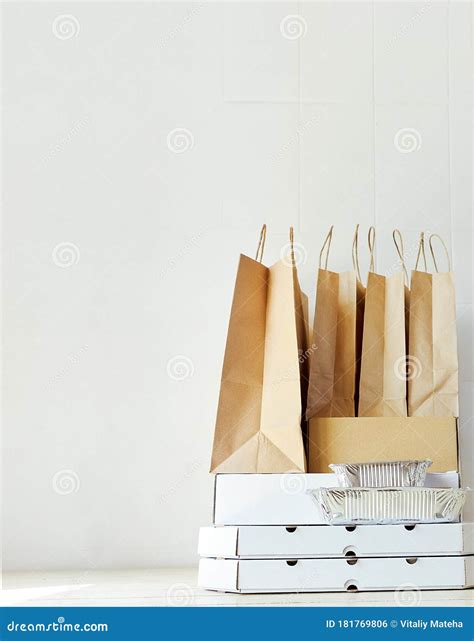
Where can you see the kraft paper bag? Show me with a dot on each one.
(337, 339)
(433, 357)
(258, 426)
(304, 346)
(382, 390)
(403, 368)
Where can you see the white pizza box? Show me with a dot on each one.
(313, 541)
(282, 499)
(336, 575)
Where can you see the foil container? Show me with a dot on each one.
(372, 506)
(389, 474)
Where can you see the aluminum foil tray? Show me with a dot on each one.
(389, 474)
(371, 506)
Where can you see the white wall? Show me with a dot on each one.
(284, 131)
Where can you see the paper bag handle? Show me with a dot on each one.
(292, 245)
(445, 249)
(371, 242)
(398, 240)
(355, 253)
(421, 252)
(327, 246)
(261, 244)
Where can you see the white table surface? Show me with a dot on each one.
(178, 586)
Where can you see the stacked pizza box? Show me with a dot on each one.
(270, 535)
(336, 452)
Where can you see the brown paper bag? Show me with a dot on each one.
(337, 339)
(433, 357)
(403, 367)
(304, 346)
(258, 426)
(382, 379)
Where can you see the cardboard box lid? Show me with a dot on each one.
(361, 439)
(322, 541)
(334, 575)
(281, 499)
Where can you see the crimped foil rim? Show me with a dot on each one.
(389, 505)
(407, 473)
(401, 462)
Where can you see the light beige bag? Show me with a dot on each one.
(337, 338)
(433, 357)
(382, 379)
(258, 426)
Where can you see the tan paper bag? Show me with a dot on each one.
(404, 368)
(258, 426)
(433, 357)
(304, 346)
(337, 339)
(382, 390)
